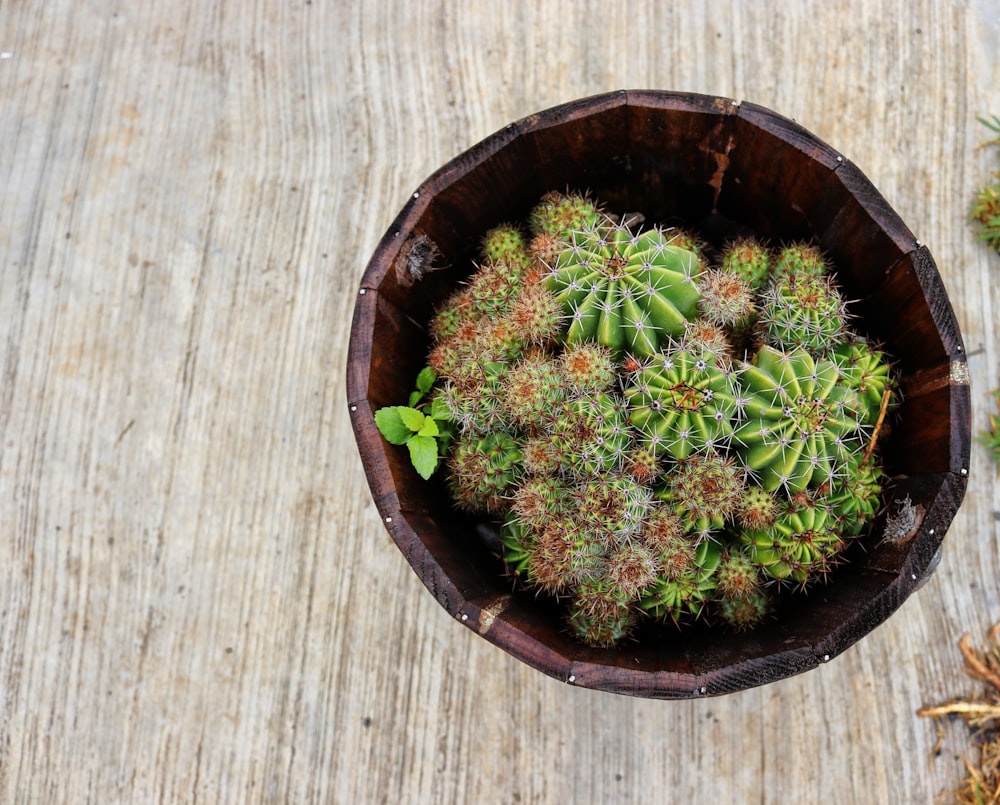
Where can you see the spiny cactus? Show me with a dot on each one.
(628, 292)
(506, 244)
(866, 371)
(683, 400)
(531, 391)
(727, 299)
(484, 469)
(684, 595)
(799, 262)
(590, 435)
(561, 214)
(739, 577)
(745, 612)
(800, 546)
(855, 497)
(706, 489)
(598, 615)
(805, 312)
(798, 429)
(748, 259)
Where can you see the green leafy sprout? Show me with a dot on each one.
(424, 426)
(986, 202)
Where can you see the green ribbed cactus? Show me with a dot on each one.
(800, 546)
(806, 312)
(866, 371)
(799, 429)
(484, 470)
(684, 596)
(750, 260)
(628, 292)
(683, 400)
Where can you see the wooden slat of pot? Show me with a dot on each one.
(681, 182)
(774, 157)
(580, 146)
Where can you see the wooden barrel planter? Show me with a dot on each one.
(719, 167)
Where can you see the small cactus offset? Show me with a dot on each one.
(663, 432)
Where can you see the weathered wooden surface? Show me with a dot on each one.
(197, 598)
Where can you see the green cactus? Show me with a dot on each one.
(727, 299)
(744, 613)
(531, 391)
(628, 292)
(799, 547)
(506, 244)
(705, 488)
(561, 214)
(866, 371)
(805, 312)
(685, 595)
(738, 576)
(799, 428)
(855, 497)
(598, 615)
(561, 557)
(611, 508)
(683, 400)
(483, 471)
(799, 262)
(590, 435)
(748, 259)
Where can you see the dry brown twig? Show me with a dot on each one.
(982, 786)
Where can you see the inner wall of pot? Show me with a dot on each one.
(722, 175)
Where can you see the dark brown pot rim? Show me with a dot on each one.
(717, 148)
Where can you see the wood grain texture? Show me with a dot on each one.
(198, 601)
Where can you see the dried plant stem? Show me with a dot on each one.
(886, 397)
(982, 785)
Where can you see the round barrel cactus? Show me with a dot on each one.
(800, 427)
(683, 400)
(628, 292)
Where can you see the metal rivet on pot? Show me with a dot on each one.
(931, 532)
(465, 617)
(826, 658)
(354, 408)
(913, 576)
(363, 291)
(702, 690)
(964, 471)
(416, 195)
(571, 679)
(840, 159)
(388, 519)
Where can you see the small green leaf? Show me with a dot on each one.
(424, 455)
(415, 397)
(439, 408)
(426, 379)
(412, 418)
(429, 428)
(390, 424)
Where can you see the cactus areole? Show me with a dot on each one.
(669, 411)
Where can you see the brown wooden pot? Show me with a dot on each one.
(722, 168)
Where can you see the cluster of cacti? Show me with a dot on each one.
(661, 436)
